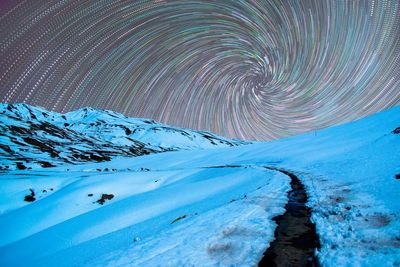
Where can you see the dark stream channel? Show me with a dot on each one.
(295, 236)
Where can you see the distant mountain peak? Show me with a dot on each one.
(32, 136)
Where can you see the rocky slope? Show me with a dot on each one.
(31, 137)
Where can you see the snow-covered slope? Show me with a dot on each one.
(210, 207)
(31, 136)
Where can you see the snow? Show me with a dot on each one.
(210, 207)
(34, 137)
(111, 126)
(68, 220)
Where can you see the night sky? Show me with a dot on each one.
(247, 69)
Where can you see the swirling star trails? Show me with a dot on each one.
(247, 69)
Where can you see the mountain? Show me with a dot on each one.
(209, 207)
(31, 136)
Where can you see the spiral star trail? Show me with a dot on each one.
(248, 69)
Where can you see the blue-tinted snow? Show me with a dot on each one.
(222, 215)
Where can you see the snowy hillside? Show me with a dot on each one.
(206, 207)
(31, 137)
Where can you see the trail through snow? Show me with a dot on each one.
(295, 236)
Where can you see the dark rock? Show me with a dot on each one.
(127, 131)
(46, 164)
(20, 166)
(6, 148)
(105, 197)
(179, 218)
(31, 197)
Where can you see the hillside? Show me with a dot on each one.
(33, 137)
(208, 207)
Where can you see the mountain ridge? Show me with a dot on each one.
(32, 136)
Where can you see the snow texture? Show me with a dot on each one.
(204, 207)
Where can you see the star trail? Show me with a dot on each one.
(248, 69)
